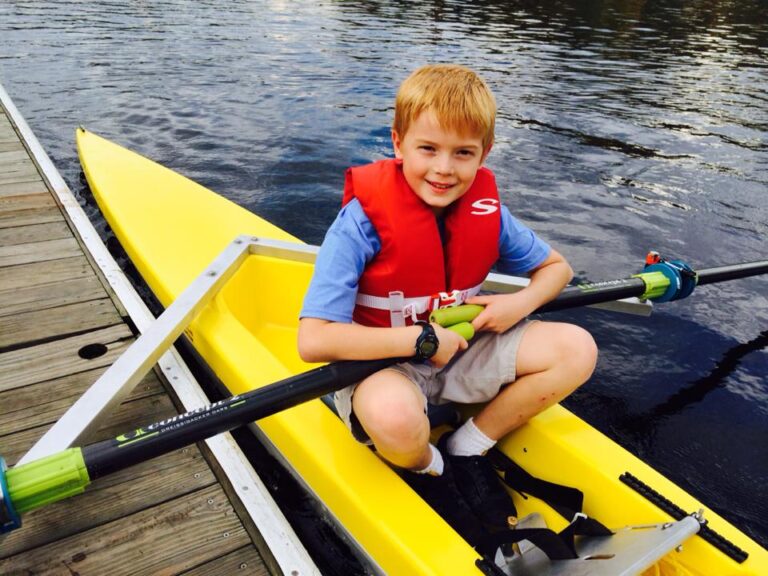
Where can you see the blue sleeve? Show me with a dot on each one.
(520, 250)
(350, 243)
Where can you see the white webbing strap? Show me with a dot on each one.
(400, 307)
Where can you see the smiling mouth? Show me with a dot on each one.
(439, 185)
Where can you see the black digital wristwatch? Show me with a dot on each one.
(427, 342)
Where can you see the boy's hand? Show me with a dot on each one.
(450, 344)
(502, 311)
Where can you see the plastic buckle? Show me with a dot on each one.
(446, 299)
(410, 310)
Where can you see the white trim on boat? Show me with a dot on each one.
(285, 546)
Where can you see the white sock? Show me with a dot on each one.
(469, 440)
(435, 467)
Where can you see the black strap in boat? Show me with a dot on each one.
(567, 501)
(557, 546)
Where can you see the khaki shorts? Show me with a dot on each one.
(475, 375)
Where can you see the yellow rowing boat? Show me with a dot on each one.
(172, 228)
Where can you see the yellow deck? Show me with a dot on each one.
(172, 228)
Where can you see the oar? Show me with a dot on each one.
(663, 281)
(67, 473)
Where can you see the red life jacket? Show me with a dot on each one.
(414, 272)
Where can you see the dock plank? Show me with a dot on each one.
(45, 402)
(23, 172)
(38, 251)
(61, 321)
(44, 273)
(165, 539)
(45, 296)
(7, 146)
(14, 157)
(34, 233)
(8, 136)
(13, 203)
(56, 359)
(35, 186)
(26, 209)
(5, 122)
(49, 213)
(7, 133)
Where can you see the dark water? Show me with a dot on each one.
(623, 126)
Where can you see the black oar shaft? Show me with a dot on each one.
(733, 272)
(153, 440)
(595, 293)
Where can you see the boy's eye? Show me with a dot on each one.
(427, 148)
(466, 153)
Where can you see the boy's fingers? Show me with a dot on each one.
(480, 320)
(481, 300)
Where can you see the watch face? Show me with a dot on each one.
(428, 348)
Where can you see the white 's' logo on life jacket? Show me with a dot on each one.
(484, 206)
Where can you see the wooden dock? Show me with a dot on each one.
(171, 515)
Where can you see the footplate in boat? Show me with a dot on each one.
(629, 551)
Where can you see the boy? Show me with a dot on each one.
(422, 231)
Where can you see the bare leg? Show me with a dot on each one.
(553, 360)
(391, 410)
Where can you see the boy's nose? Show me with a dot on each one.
(444, 165)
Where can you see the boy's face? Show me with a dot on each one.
(438, 164)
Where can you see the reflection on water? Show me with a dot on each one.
(698, 390)
(623, 126)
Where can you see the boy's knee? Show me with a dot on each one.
(579, 351)
(392, 413)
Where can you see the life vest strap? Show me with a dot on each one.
(401, 307)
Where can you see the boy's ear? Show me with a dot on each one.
(396, 144)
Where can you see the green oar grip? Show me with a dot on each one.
(47, 480)
(449, 316)
(457, 318)
(463, 329)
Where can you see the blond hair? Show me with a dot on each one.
(456, 95)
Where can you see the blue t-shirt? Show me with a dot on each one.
(351, 242)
